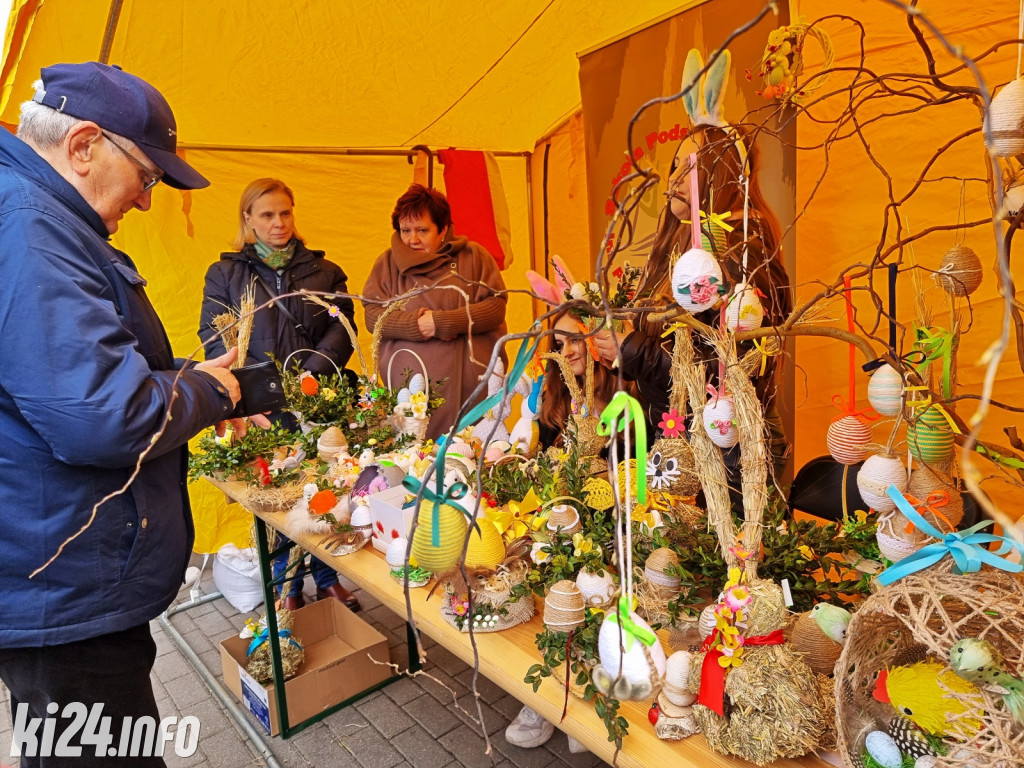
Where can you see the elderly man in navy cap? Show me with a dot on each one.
(88, 384)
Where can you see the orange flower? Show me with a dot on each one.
(309, 386)
(322, 502)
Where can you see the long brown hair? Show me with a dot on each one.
(555, 397)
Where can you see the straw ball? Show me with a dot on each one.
(692, 269)
(564, 519)
(744, 311)
(930, 438)
(564, 607)
(960, 272)
(671, 468)
(925, 481)
(885, 390)
(820, 652)
(719, 422)
(451, 526)
(848, 439)
(331, 443)
(1004, 123)
(486, 548)
(598, 589)
(876, 475)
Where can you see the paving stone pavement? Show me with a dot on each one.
(410, 723)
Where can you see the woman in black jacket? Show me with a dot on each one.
(271, 255)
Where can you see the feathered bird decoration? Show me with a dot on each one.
(916, 693)
(832, 620)
(981, 663)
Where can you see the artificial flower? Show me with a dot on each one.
(309, 385)
(578, 291)
(419, 410)
(333, 310)
(737, 597)
(459, 607)
(722, 425)
(740, 552)
(329, 394)
(703, 290)
(804, 550)
(581, 544)
(418, 397)
(671, 424)
(735, 576)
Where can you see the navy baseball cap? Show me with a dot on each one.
(123, 104)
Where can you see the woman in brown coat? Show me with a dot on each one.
(457, 312)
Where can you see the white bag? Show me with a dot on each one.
(236, 572)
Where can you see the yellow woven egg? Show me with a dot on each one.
(486, 547)
(452, 529)
(598, 494)
(632, 479)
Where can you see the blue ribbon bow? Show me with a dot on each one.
(263, 635)
(962, 545)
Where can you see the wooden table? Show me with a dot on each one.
(504, 658)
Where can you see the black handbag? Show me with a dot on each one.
(262, 389)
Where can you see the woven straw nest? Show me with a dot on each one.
(269, 499)
(495, 591)
(259, 664)
(921, 617)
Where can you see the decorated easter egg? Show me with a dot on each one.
(848, 439)
(460, 448)
(361, 518)
(744, 311)
(719, 422)
(331, 443)
(395, 554)
(486, 548)
(642, 667)
(706, 622)
(820, 652)
(875, 477)
(940, 496)
(883, 749)
(677, 670)
(451, 526)
(697, 280)
(597, 589)
(417, 383)
(563, 607)
(1002, 126)
(1013, 200)
(960, 272)
(657, 571)
(929, 438)
(404, 395)
(885, 390)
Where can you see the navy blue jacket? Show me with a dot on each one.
(86, 377)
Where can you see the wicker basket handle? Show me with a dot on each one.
(426, 376)
(315, 352)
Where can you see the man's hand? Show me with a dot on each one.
(426, 324)
(218, 368)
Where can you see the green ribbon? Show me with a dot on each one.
(630, 628)
(446, 496)
(937, 344)
(998, 458)
(625, 406)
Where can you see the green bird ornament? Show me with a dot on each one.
(981, 663)
(832, 620)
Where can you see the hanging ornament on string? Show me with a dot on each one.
(697, 280)
(960, 273)
(849, 433)
(719, 415)
(630, 658)
(743, 311)
(885, 388)
(1003, 127)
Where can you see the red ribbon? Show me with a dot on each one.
(864, 415)
(712, 674)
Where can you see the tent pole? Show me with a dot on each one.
(529, 220)
(292, 150)
(113, 16)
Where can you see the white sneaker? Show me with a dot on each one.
(528, 730)
(574, 746)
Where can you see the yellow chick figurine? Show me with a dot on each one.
(916, 693)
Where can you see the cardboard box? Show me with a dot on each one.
(337, 666)
(389, 520)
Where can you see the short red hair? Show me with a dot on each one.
(418, 200)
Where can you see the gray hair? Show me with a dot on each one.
(43, 126)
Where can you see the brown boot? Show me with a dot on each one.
(293, 602)
(340, 594)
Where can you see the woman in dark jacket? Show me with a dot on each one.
(272, 255)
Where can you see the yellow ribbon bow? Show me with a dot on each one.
(517, 518)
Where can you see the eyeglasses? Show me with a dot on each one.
(147, 177)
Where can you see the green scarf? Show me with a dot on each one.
(275, 259)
